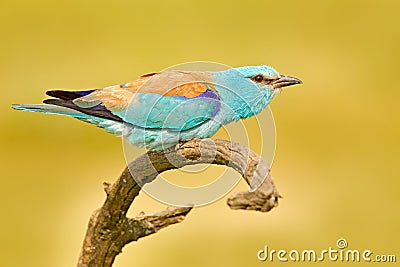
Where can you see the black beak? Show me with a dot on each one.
(284, 81)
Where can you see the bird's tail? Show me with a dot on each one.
(61, 105)
(50, 109)
(64, 106)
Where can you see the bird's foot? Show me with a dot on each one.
(180, 145)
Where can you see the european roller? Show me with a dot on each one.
(159, 110)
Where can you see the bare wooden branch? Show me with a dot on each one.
(109, 229)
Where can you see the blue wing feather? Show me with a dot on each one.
(173, 112)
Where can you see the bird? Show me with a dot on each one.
(161, 109)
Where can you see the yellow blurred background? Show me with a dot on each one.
(337, 134)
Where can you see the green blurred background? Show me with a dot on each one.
(337, 134)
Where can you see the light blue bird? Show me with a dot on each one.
(159, 110)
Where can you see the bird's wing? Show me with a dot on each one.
(171, 99)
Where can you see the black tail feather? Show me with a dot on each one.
(68, 95)
(97, 111)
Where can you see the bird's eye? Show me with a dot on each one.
(258, 78)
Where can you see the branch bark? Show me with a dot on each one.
(109, 230)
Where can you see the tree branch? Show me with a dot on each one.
(109, 230)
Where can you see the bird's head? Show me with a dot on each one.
(266, 78)
(248, 90)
